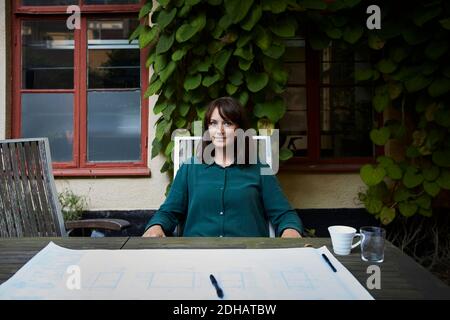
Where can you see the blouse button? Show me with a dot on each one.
(221, 212)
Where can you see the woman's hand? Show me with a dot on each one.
(290, 233)
(154, 232)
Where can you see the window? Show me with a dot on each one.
(328, 117)
(81, 88)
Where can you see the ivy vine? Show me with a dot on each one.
(201, 50)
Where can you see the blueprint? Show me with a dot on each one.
(182, 274)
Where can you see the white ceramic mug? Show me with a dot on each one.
(342, 239)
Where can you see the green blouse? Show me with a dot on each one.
(234, 201)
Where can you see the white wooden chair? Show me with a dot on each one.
(185, 146)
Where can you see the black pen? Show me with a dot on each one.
(216, 285)
(329, 262)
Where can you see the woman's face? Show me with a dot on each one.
(221, 131)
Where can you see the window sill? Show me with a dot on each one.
(321, 167)
(102, 172)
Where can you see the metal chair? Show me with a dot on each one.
(185, 146)
(29, 204)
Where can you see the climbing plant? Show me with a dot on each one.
(201, 50)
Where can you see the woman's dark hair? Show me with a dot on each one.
(231, 110)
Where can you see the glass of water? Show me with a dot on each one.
(372, 244)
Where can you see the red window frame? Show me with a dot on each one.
(313, 162)
(79, 166)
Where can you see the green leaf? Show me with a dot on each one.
(164, 43)
(236, 78)
(387, 215)
(363, 74)
(370, 175)
(256, 81)
(167, 112)
(375, 42)
(237, 9)
(380, 136)
(381, 100)
(285, 154)
(192, 82)
(414, 36)
(444, 180)
(402, 194)
(180, 122)
(204, 65)
(245, 64)
(426, 14)
(445, 23)
(442, 117)
(385, 161)
(161, 129)
(275, 51)
(424, 201)
(442, 157)
(431, 173)
(188, 30)
(436, 49)
(432, 188)
(146, 9)
(263, 39)
(159, 106)
(243, 40)
(147, 36)
(253, 18)
(243, 98)
(136, 33)
(352, 35)
(231, 89)
(417, 83)
(373, 205)
(280, 76)
(160, 63)
(167, 72)
(411, 178)
(439, 87)
(275, 6)
(394, 172)
(386, 66)
(426, 213)
(407, 208)
(220, 60)
(334, 33)
(165, 18)
(394, 89)
(156, 147)
(179, 54)
(274, 110)
(153, 88)
(183, 109)
(244, 53)
(284, 28)
(209, 80)
(397, 54)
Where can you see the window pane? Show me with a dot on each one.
(112, 61)
(345, 121)
(50, 115)
(47, 55)
(110, 1)
(114, 126)
(340, 72)
(293, 126)
(48, 2)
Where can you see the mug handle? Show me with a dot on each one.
(359, 241)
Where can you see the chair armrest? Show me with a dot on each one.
(108, 224)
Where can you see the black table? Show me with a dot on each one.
(401, 276)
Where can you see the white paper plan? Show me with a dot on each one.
(182, 274)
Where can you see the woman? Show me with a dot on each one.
(224, 197)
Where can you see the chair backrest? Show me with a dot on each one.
(185, 146)
(29, 204)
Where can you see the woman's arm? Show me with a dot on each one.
(165, 219)
(283, 217)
